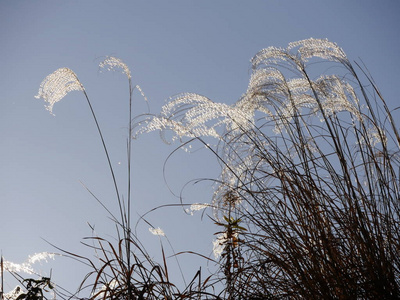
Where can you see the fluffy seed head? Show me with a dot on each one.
(112, 63)
(157, 231)
(56, 85)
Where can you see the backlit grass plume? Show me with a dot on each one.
(113, 63)
(57, 85)
(27, 266)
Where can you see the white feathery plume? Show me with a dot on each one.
(56, 85)
(27, 266)
(157, 231)
(321, 48)
(112, 63)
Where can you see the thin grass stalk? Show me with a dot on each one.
(2, 277)
(107, 155)
(128, 233)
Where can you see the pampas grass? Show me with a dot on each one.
(310, 170)
(307, 202)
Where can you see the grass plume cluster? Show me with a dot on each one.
(308, 196)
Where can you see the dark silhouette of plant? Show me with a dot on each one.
(35, 288)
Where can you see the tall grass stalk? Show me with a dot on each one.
(2, 277)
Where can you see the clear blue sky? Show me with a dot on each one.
(171, 47)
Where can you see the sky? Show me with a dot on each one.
(170, 47)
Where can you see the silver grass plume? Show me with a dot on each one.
(112, 63)
(269, 92)
(57, 85)
(27, 266)
(280, 92)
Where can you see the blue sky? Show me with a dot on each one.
(171, 47)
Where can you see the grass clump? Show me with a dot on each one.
(307, 202)
(310, 168)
